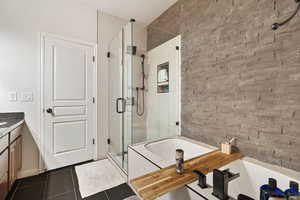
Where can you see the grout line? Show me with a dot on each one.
(63, 193)
(17, 187)
(60, 170)
(106, 195)
(74, 190)
(45, 189)
(76, 184)
(58, 195)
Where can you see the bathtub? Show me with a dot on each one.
(165, 149)
(151, 156)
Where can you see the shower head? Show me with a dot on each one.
(275, 26)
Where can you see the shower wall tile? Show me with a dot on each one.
(239, 78)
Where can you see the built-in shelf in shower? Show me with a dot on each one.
(163, 78)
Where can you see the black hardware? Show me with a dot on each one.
(275, 26)
(177, 47)
(220, 183)
(177, 123)
(94, 58)
(132, 20)
(141, 111)
(131, 50)
(108, 54)
(49, 110)
(294, 185)
(108, 141)
(93, 141)
(202, 179)
(123, 105)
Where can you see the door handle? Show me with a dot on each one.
(49, 110)
(123, 105)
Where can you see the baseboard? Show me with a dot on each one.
(28, 173)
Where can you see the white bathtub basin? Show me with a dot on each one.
(3, 123)
(162, 152)
(166, 149)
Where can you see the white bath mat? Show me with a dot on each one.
(97, 176)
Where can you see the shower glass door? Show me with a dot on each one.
(127, 91)
(115, 93)
(120, 96)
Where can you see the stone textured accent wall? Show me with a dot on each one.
(166, 27)
(239, 78)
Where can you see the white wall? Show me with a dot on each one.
(164, 108)
(20, 25)
(139, 122)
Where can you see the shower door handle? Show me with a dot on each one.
(122, 100)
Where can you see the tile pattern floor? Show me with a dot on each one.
(61, 184)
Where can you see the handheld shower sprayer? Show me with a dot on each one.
(138, 112)
(143, 71)
(275, 26)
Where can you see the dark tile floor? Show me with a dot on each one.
(61, 184)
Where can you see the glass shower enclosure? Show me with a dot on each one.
(120, 96)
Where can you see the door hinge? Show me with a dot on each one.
(108, 141)
(108, 54)
(94, 99)
(94, 58)
(131, 50)
(177, 47)
(94, 141)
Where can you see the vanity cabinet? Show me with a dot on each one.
(3, 143)
(3, 174)
(15, 160)
(10, 160)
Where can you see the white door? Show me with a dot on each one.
(68, 102)
(163, 118)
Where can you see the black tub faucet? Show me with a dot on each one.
(201, 179)
(220, 183)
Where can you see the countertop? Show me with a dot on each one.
(12, 121)
(160, 182)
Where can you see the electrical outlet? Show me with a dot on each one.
(27, 96)
(12, 96)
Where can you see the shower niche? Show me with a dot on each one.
(163, 78)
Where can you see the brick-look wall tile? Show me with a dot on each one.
(239, 78)
(164, 27)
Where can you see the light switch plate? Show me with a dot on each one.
(12, 96)
(27, 96)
